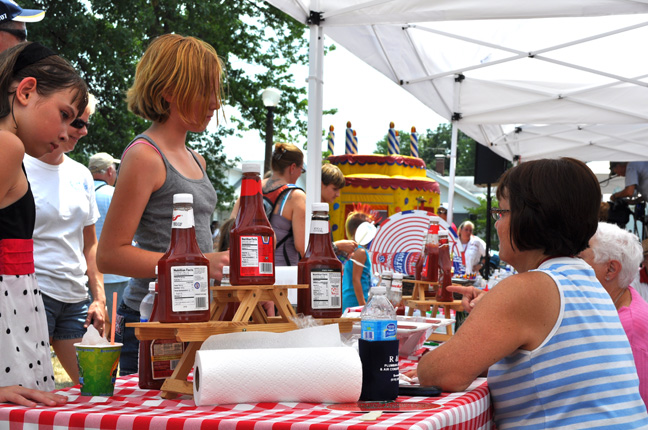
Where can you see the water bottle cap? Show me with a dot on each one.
(251, 167)
(378, 290)
(151, 287)
(183, 198)
(398, 275)
(320, 207)
(225, 270)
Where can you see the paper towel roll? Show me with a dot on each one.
(328, 375)
(319, 336)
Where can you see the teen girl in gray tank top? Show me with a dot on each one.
(154, 230)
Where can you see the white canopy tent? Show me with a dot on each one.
(528, 79)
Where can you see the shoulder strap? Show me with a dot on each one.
(102, 185)
(142, 138)
(275, 195)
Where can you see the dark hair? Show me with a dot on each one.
(224, 235)
(52, 74)
(284, 155)
(554, 205)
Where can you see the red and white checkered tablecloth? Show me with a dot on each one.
(133, 408)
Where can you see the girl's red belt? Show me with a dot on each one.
(16, 256)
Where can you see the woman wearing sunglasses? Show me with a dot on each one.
(549, 337)
(65, 245)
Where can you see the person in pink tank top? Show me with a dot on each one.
(615, 255)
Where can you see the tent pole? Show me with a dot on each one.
(453, 165)
(456, 116)
(315, 106)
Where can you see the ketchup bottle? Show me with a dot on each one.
(321, 270)
(445, 270)
(183, 270)
(157, 358)
(427, 268)
(252, 238)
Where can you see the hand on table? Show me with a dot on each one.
(471, 295)
(28, 397)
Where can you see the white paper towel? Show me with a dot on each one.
(311, 337)
(308, 365)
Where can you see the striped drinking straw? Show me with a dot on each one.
(351, 146)
(331, 140)
(414, 143)
(393, 145)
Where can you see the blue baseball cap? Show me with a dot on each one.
(10, 11)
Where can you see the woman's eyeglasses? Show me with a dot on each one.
(78, 124)
(497, 213)
(18, 34)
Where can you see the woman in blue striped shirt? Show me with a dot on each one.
(549, 337)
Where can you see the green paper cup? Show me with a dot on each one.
(97, 368)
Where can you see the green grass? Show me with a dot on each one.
(60, 375)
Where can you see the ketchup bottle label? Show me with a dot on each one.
(250, 187)
(326, 289)
(182, 219)
(165, 355)
(189, 288)
(319, 227)
(257, 256)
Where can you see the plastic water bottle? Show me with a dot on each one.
(146, 307)
(378, 349)
(225, 280)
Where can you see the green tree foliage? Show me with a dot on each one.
(481, 220)
(435, 142)
(104, 39)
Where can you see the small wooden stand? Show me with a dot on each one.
(249, 298)
(420, 302)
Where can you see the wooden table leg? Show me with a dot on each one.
(177, 382)
(247, 306)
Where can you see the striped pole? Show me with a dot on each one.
(351, 142)
(331, 140)
(355, 142)
(414, 143)
(393, 145)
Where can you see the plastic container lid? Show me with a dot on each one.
(387, 273)
(251, 167)
(225, 270)
(378, 290)
(151, 287)
(398, 275)
(183, 198)
(320, 207)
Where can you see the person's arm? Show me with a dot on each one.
(28, 397)
(359, 257)
(97, 310)
(142, 171)
(296, 204)
(471, 296)
(508, 318)
(345, 246)
(13, 153)
(626, 192)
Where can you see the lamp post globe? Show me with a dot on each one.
(270, 97)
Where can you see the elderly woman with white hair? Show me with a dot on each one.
(615, 255)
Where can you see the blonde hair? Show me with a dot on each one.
(284, 155)
(184, 69)
(331, 174)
